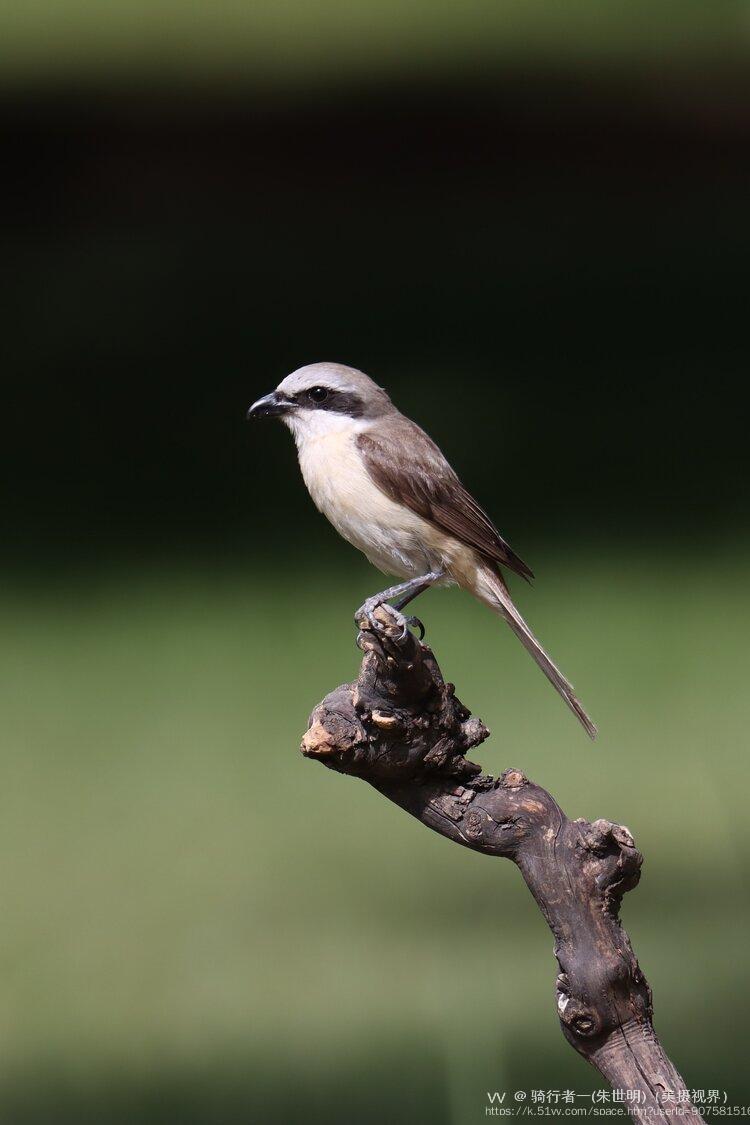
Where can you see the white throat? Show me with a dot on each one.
(312, 425)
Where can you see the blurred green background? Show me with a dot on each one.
(528, 221)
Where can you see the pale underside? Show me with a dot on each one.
(395, 540)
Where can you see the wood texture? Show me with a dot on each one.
(401, 728)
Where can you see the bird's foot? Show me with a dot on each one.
(388, 618)
(381, 617)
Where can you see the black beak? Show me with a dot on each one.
(270, 406)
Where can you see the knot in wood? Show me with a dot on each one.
(330, 734)
(513, 779)
(602, 834)
(576, 1016)
(473, 731)
(474, 825)
(583, 1025)
(385, 721)
(616, 865)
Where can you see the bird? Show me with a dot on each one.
(389, 491)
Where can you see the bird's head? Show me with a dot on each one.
(323, 397)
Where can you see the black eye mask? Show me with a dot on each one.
(326, 398)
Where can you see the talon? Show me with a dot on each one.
(415, 623)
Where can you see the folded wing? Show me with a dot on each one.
(409, 468)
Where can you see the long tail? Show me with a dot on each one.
(494, 592)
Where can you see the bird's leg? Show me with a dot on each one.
(418, 586)
(404, 592)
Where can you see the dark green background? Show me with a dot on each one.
(542, 252)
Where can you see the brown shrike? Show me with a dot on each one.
(386, 487)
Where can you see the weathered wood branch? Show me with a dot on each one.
(401, 728)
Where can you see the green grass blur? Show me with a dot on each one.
(200, 923)
(269, 42)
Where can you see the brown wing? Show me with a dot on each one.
(409, 468)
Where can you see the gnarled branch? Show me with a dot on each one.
(401, 728)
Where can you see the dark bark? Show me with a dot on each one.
(401, 728)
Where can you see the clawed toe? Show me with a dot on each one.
(415, 623)
(376, 623)
(368, 611)
(395, 618)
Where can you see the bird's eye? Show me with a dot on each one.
(318, 394)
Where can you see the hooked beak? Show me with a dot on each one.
(270, 406)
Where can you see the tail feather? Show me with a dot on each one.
(501, 601)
